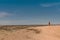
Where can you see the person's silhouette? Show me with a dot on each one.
(49, 23)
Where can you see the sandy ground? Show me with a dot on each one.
(33, 33)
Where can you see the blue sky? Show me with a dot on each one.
(21, 12)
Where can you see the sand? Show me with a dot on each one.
(32, 33)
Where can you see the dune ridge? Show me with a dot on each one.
(30, 33)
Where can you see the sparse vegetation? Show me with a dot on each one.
(35, 30)
(17, 27)
(11, 28)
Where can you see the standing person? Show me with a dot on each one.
(49, 23)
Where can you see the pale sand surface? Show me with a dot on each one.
(32, 33)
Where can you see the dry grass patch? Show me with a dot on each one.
(35, 30)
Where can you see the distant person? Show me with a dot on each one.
(49, 23)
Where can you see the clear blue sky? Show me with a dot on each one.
(29, 11)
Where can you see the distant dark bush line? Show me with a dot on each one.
(16, 27)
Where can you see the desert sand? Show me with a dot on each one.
(32, 33)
